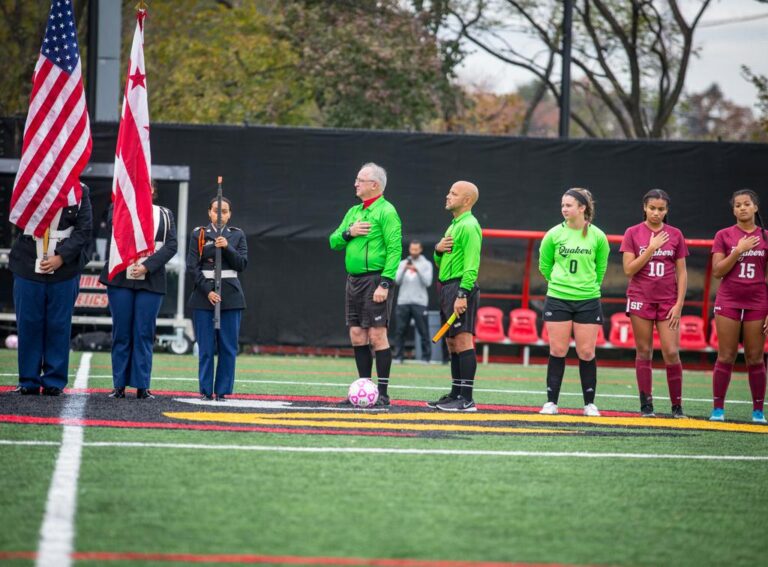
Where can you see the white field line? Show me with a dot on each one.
(57, 533)
(541, 392)
(389, 451)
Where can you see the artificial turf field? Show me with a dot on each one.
(276, 476)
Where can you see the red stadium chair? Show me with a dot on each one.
(621, 334)
(656, 338)
(692, 335)
(490, 327)
(522, 326)
(600, 336)
(713, 336)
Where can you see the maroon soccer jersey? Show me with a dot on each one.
(744, 286)
(655, 282)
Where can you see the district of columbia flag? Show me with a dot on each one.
(132, 223)
(57, 134)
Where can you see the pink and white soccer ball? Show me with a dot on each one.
(12, 341)
(363, 393)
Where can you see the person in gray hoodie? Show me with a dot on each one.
(414, 276)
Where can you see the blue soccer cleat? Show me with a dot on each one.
(758, 417)
(718, 414)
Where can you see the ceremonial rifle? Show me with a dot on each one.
(217, 267)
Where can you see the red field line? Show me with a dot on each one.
(334, 400)
(245, 559)
(32, 420)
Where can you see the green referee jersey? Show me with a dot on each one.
(377, 251)
(573, 264)
(463, 261)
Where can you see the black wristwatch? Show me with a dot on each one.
(346, 236)
(462, 294)
(384, 284)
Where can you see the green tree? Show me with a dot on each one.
(761, 84)
(221, 62)
(373, 64)
(22, 26)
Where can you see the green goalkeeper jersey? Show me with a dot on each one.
(573, 264)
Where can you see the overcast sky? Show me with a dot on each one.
(724, 47)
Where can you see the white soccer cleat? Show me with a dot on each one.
(590, 410)
(550, 408)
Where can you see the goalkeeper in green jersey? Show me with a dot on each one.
(573, 258)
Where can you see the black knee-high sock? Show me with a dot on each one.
(555, 371)
(455, 375)
(468, 368)
(588, 375)
(364, 361)
(383, 365)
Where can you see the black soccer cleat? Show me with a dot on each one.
(677, 412)
(647, 411)
(443, 400)
(117, 393)
(382, 402)
(52, 391)
(144, 394)
(28, 390)
(221, 398)
(459, 404)
(206, 397)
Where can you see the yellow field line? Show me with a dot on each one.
(293, 420)
(361, 417)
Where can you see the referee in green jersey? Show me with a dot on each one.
(371, 236)
(573, 257)
(457, 257)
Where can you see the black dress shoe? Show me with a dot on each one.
(117, 393)
(52, 391)
(144, 394)
(28, 390)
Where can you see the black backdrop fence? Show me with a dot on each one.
(290, 188)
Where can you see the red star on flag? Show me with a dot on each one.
(138, 79)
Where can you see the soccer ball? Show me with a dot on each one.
(363, 393)
(12, 341)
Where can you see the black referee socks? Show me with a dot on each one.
(364, 361)
(555, 371)
(455, 375)
(588, 375)
(467, 370)
(383, 365)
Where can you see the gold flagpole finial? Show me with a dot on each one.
(142, 5)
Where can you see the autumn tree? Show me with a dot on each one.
(634, 54)
(709, 115)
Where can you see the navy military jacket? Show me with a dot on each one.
(73, 250)
(201, 257)
(155, 278)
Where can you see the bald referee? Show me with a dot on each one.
(371, 236)
(457, 256)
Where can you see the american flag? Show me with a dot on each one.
(132, 223)
(57, 135)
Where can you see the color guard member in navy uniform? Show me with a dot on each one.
(135, 297)
(45, 287)
(200, 265)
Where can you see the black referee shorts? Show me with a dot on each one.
(360, 309)
(466, 323)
